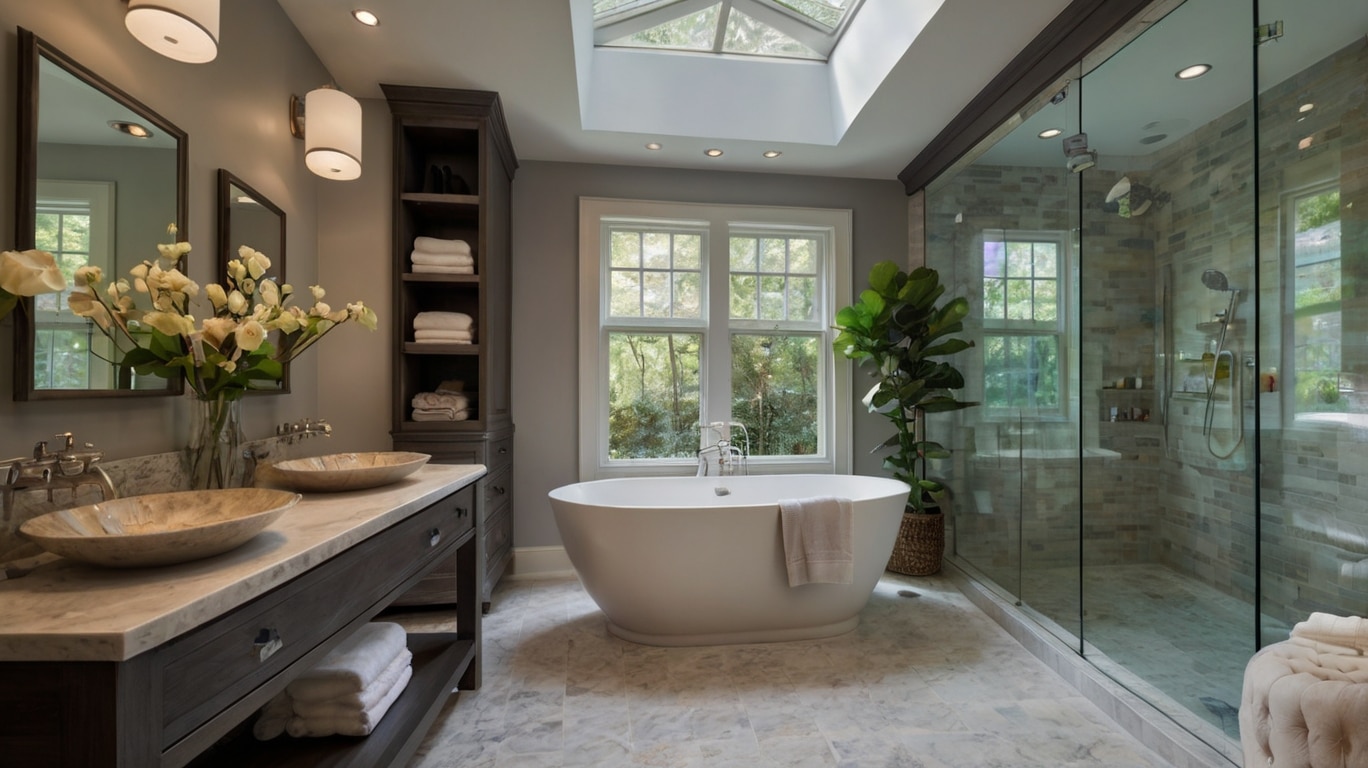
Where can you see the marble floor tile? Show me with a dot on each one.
(925, 681)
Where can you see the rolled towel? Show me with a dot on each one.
(443, 259)
(353, 664)
(451, 387)
(439, 245)
(274, 717)
(442, 321)
(1349, 631)
(368, 698)
(440, 414)
(436, 400)
(817, 540)
(434, 269)
(358, 724)
(451, 337)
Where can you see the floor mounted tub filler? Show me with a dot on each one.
(700, 560)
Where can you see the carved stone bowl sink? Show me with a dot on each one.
(159, 528)
(341, 471)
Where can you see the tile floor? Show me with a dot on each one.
(926, 681)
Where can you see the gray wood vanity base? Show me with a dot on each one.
(155, 666)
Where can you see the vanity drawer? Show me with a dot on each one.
(497, 489)
(205, 671)
(500, 453)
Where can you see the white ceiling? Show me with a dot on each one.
(524, 50)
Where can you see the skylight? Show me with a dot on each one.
(800, 29)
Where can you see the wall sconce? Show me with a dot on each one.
(184, 30)
(331, 134)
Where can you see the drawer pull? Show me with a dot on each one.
(461, 512)
(499, 489)
(503, 449)
(434, 536)
(267, 642)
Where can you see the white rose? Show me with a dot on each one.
(29, 273)
(216, 329)
(318, 292)
(270, 294)
(237, 303)
(249, 335)
(217, 297)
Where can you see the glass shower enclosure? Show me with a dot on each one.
(1164, 254)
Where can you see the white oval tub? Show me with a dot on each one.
(672, 562)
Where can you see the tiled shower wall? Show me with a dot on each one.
(1154, 491)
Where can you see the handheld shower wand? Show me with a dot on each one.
(1217, 281)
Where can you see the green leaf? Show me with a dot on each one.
(883, 278)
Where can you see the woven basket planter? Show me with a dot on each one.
(920, 545)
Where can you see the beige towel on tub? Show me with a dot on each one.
(817, 540)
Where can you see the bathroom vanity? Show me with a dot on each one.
(156, 666)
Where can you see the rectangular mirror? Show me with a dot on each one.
(247, 217)
(99, 177)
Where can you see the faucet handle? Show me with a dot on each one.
(68, 440)
(40, 451)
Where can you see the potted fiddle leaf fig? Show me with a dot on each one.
(899, 333)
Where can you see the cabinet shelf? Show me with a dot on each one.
(439, 200)
(429, 348)
(439, 659)
(436, 277)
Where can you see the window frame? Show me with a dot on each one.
(597, 218)
(1287, 375)
(1061, 331)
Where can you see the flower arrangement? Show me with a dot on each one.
(27, 273)
(223, 354)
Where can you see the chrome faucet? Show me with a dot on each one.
(728, 458)
(68, 468)
(302, 429)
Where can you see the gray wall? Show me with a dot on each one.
(545, 298)
(235, 111)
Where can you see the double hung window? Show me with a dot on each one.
(1023, 325)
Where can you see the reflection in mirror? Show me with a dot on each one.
(246, 217)
(100, 176)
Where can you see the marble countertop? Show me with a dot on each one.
(65, 611)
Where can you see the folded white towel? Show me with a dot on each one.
(443, 259)
(368, 698)
(817, 540)
(455, 337)
(440, 414)
(451, 387)
(274, 717)
(358, 724)
(438, 400)
(442, 321)
(434, 269)
(1345, 631)
(439, 245)
(353, 664)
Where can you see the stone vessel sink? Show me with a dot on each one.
(341, 471)
(159, 528)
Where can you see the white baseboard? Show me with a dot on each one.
(540, 563)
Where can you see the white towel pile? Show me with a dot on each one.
(444, 257)
(448, 403)
(443, 328)
(348, 692)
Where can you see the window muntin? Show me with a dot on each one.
(751, 348)
(1022, 321)
(803, 29)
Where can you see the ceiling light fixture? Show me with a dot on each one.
(331, 134)
(1192, 72)
(713, 152)
(773, 153)
(653, 146)
(366, 17)
(135, 130)
(1050, 133)
(184, 30)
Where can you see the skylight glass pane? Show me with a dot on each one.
(609, 7)
(694, 32)
(827, 13)
(747, 35)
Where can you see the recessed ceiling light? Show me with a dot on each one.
(132, 129)
(1305, 143)
(773, 153)
(713, 152)
(1307, 107)
(1194, 71)
(1050, 133)
(366, 17)
(654, 145)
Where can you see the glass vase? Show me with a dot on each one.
(215, 449)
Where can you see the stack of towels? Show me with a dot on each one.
(447, 403)
(435, 255)
(443, 328)
(347, 692)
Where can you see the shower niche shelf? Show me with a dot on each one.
(1214, 327)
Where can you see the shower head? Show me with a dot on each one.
(1215, 280)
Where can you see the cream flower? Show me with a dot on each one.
(29, 273)
(270, 294)
(236, 270)
(318, 292)
(84, 304)
(237, 303)
(89, 274)
(216, 329)
(362, 314)
(170, 323)
(255, 262)
(249, 335)
(216, 296)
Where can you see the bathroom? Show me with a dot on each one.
(1210, 515)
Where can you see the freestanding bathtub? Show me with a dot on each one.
(700, 560)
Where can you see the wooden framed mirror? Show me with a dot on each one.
(247, 217)
(90, 190)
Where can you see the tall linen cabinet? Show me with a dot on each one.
(453, 178)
